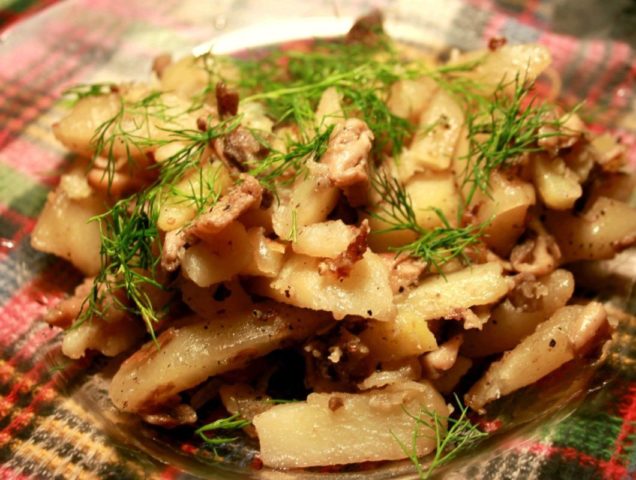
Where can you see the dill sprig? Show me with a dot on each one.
(282, 167)
(459, 435)
(130, 128)
(362, 74)
(130, 249)
(129, 237)
(231, 423)
(500, 130)
(436, 246)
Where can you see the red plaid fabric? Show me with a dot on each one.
(47, 430)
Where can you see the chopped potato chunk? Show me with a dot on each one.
(341, 428)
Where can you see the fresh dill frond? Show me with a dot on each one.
(362, 75)
(204, 195)
(500, 130)
(130, 128)
(459, 435)
(231, 423)
(129, 237)
(130, 249)
(435, 247)
(283, 168)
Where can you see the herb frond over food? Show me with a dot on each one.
(436, 246)
(452, 435)
(282, 167)
(501, 128)
(291, 84)
(214, 434)
(130, 248)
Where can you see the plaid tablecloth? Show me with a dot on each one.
(44, 431)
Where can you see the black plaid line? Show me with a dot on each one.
(19, 267)
(8, 228)
(619, 78)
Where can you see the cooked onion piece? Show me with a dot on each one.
(563, 337)
(341, 428)
(189, 354)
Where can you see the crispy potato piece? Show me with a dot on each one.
(266, 256)
(310, 200)
(605, 227)
(405, 336)
(208, 302)
(408, 98)
(558, 340)
(178, 206)
(510, 323)
(186, 77)
(437, 296)
(365, 292)
(433, 146)
(433, 190)
(505, 208)
(505, 64)
(324, 240)
(341, 428)
(199, 349)
(381, 242)
(64, 229)
(219, 259)
(77, 130)
(558, 186)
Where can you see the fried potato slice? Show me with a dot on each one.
(341, 428)
(197, 349)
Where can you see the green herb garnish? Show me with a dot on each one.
(231, 423)
(362, 74)
(284, 167)
(459, 435)
(436, 246)
(130, 248)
